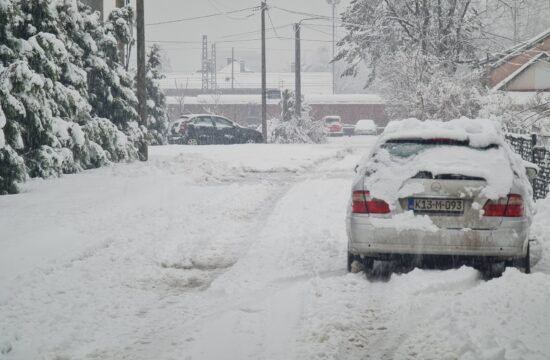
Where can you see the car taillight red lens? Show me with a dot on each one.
(363, 203)
(183, 126)
(511, 206)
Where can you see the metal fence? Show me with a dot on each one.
(532, 148)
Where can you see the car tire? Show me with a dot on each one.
(527, 260)
(250, 141)
(355, 264)
(192, 142)
(492, 270)
(351, 259)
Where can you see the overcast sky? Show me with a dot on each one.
(222, 30)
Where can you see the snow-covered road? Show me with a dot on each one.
(237, 252)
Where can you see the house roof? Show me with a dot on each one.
(501, 58)
(370, 99)
(524, 67)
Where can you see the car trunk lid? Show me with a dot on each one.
(452, 201)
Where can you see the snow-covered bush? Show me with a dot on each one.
(532, 115)
(68, 100)
(290, 129)
(430, 92)
(113, 141)
(415, 54)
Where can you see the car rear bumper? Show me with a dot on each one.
(507, 241)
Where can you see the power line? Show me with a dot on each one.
(224, 12)
(202, 16)
(301, 13)
(233, 41)
(255, 31)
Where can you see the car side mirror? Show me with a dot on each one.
(356, 168)
(531, 173)
(531, 170)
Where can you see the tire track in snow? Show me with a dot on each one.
(242, 301)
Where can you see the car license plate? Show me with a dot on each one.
(436, 205)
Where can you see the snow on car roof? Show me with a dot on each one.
(478, 132)
(497, 165)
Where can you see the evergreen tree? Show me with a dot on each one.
(111, 87)
(156, 100)
(67, 103)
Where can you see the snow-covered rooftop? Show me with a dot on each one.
(312, 82)
(257, 99)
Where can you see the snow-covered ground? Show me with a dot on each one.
(238, 252)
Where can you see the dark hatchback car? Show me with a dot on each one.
(201, 129)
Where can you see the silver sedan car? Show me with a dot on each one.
(451, 195)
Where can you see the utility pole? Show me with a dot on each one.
(232, 67)
(297, 73)
(141, 86)
(264, 80)
(213, 68)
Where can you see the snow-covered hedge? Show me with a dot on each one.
(290, 129)
(67, 102)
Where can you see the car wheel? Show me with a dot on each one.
(492, 270)
(192, 141)
(250, 141)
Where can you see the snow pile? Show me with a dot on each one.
(541, 231)
(260, 158)
(296, 131)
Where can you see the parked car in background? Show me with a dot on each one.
(333, 125)
(451, 192)
(176, 130)
(365, 127)
(349, 129)
(201, 129)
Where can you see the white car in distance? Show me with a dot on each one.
(365, 127)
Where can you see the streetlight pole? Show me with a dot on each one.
(333, 3)
(264, 89)
(297, 73)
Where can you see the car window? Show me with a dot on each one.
(332, 120)
(176, 125)
(203, 121)
(222, 123)
(404, 148)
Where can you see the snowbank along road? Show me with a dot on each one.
(238, 252)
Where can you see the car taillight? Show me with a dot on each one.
(510, 206)
(183, 127)
(363, 203)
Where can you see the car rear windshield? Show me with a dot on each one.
(331, 120)
(404, 148)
